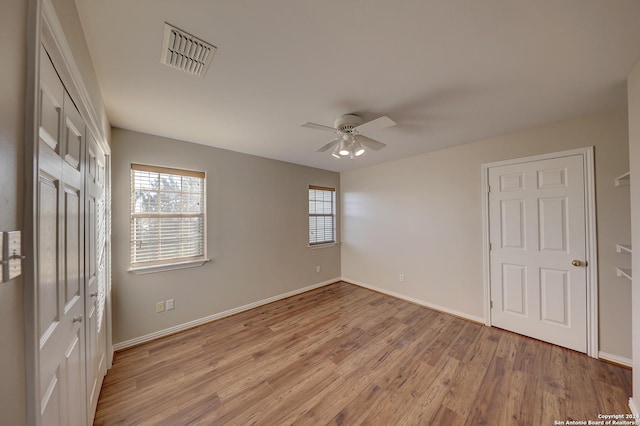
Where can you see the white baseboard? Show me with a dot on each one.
(161, 333)
(634, 409)
(416, 301)
(616, 359)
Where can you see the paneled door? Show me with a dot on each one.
(60, 264)
(95, 254)
(538, 248)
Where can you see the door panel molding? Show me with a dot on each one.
(590, 224)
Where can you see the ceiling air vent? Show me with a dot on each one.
(185, 52)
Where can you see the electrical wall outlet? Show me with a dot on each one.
(318, 268)
(169, 304)
(160, 307)
(401, 278)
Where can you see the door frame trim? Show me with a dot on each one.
(590, 234)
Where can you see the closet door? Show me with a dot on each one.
(60, 247)
(95, 254)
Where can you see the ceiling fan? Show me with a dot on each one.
(350, 141)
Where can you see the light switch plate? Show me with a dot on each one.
(12, 251)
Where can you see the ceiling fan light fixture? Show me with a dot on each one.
(350, 140)
(344, 147)
(357, 148)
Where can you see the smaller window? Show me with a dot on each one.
(167, 216)
(322, 215)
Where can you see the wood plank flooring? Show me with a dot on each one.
(346, 355)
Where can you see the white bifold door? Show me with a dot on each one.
(538, 249)
(95, 273)
(70, 239)
(60, 269)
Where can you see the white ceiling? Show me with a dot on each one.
(447, 71)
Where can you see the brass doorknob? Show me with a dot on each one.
(576, 262)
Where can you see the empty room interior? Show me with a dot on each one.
(337, 212)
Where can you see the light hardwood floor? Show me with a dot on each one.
(346, 355)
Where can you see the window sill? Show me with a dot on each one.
(141, 270)
(319, 246)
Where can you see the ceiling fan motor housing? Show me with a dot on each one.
(347, 123)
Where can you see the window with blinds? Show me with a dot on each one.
(322, 215)
(167, 215)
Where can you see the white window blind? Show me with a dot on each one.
(167, 215)
(322, 215)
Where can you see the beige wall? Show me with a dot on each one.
(633, 95)
(13, 70)
(256, 233)
(422, 216)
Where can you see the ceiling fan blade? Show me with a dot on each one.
(323, 148)
(370, 143)
(318, 127)
(378, 123)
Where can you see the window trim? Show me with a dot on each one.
(334, 214)
(150, 269)
(177, 262)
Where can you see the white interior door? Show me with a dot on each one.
(537, 234)
(95, 253)
(60, 265)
